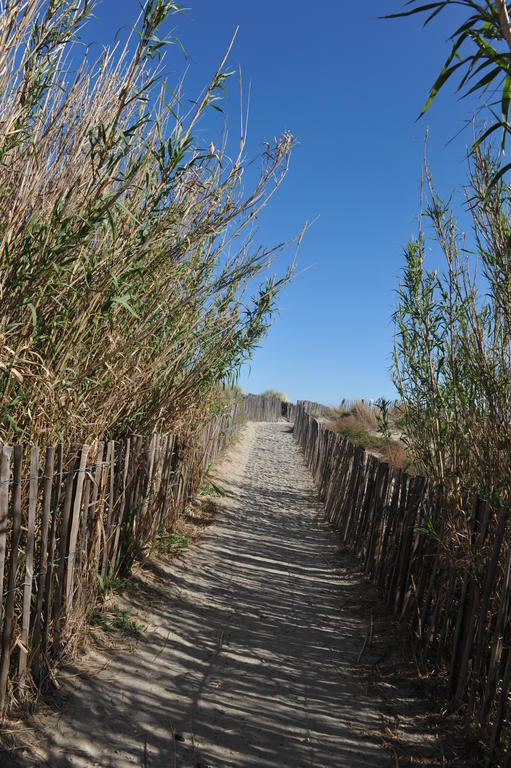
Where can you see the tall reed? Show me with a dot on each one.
(126, 265)
(453, 341)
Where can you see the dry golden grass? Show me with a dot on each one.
(365, 415)
(360, 426)
(126, 266)
(394, 453)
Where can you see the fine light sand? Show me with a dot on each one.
(262, 646)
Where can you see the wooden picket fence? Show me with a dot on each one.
(73, 520)
(444, 569)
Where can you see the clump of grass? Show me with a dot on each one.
(123, 622)
(209, 488)
(365, 415)
(173, 542)
(373, 429)
(116, 619)
(98, 618)
(109, 583)
(350, 428)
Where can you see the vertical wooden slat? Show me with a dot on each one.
(384, 568)
(502, 707)
(382, 480)
(488, 588)
(94, 521)
(84, 525)
(43, 558)
(412, 508)
(136, 485)
(397, 539)
(8, 628)
(62, 552)
(109, 519)
(75, 522)
(102, 498)
(410, 609)
(498, 640)
(121, 505)
(360, 459)
(470, 615)
(149, 476)
(48, 592)
(29, 563)
(5, 475)
(167, 503)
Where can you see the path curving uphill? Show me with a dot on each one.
(261, 647)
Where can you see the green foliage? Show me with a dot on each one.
(382, 418)
(116, 619)
(480, 55)
(453, 342)
(452, 356)
(109, 584)
(360, 436)
(173, 543)
(208, 487)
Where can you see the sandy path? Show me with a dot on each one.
(252, 645)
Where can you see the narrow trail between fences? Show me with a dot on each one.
(262, 647)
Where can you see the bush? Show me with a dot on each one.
(453, 343)
(276, 394)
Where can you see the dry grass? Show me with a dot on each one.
(394, 453)
(199, 515)
(125, 246)
(360, 426)
(364, 415)
(275, 393)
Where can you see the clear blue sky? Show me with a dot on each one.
(349, 86)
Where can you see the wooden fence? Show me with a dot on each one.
(71, 521)
(316, 409)
(444, 569)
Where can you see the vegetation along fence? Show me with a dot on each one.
(72, 520)
(443, 567)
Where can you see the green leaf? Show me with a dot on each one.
(419, 9)
(484, 82)
(499, 175)
(506, 99)
(124, 302)
(439, 82)
(33, 313)
(126, 210)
